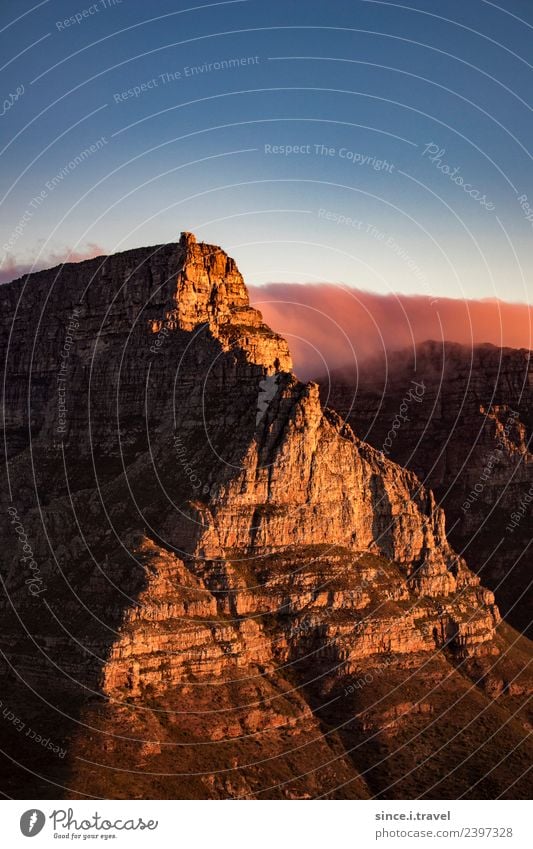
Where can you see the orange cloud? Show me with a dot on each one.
(331, 326)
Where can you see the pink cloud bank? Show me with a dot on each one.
(329, 326)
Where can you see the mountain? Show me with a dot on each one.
(212, 587)
(465, 429)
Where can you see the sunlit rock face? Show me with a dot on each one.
(235, 592)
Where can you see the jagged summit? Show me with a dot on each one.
(211, 290)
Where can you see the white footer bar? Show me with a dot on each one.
(268, 824)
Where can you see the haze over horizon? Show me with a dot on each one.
(330, 327)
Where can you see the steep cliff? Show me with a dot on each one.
(225, 592)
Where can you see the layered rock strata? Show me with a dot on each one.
(232, 595)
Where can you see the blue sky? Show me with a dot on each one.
(380, 145)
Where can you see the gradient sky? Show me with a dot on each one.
(378, 80)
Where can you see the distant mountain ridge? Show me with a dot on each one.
(469, 440)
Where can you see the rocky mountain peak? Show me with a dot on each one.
(210, 290)
(209, 286)
(218, 554)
